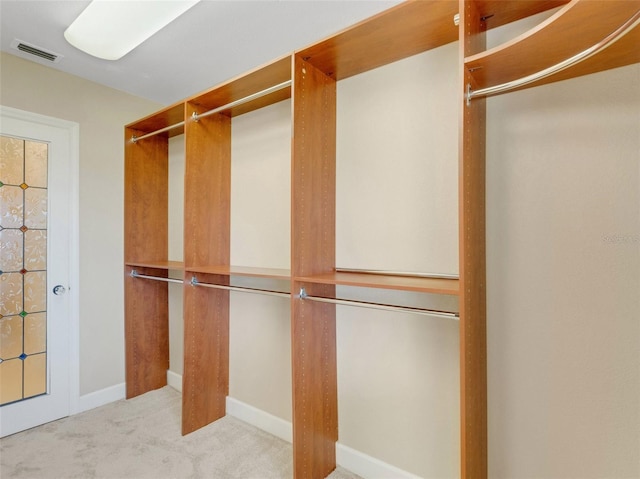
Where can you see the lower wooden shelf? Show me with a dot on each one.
(228, 270)
(402, 283)
(169, 265)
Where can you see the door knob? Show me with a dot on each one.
(59, 289)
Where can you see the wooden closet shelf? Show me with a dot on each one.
(171, 115)
(226, 270)
(500, 12)
(243, 86)
(565, 34)
(400, 32)
(403, 283)
(168, 265)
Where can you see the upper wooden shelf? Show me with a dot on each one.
(403, 283)
(260, 79)
(172, 115)
(571, 30)
(168, 265)
(226, 270)
(400, 32)
(500, 12)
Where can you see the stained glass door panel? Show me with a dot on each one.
(23, 269)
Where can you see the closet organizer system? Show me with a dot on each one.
(581, 37)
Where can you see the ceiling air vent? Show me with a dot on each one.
(35, 51)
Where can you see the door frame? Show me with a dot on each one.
(73, 135)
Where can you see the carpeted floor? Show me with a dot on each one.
(140, 438)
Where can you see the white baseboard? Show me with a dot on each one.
(367, 466)
(357, 462)
(174, 380)
(102, 397)
(117, 392)
(260, 419)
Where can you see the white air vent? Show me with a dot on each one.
(33, 50)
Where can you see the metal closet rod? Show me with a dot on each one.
(241, 289)
(134, 274)
(134, 138)
(281, 86)
(385, 307)
(563, 65)
(398, 273)
(196, 116)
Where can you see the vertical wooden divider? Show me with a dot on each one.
(473, 338)
(145, 232)
(313, 326)
(205, 381)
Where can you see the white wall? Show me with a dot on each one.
(102, 113)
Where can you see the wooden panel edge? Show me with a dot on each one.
(313, 342)
(473, 347)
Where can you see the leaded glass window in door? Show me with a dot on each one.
(23, 269)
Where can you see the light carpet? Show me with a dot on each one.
(140, 438)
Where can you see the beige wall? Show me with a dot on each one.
(563, 266)
(397, 209)
(176, 250)
(101, 112)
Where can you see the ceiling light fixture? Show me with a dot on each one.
(109, 29)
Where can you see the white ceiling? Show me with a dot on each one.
(214, 41)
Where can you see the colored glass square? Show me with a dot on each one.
(11, 248)
(35, 291)
(10, 381)
(35, 375)
(11, 206)
(35, 250)
(11, 293)
(11, 335)
(35, 208)
(35, 333)
(11, 160)
(35, 163)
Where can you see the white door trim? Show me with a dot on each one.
(73, 130)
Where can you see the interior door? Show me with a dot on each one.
(35, 313)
